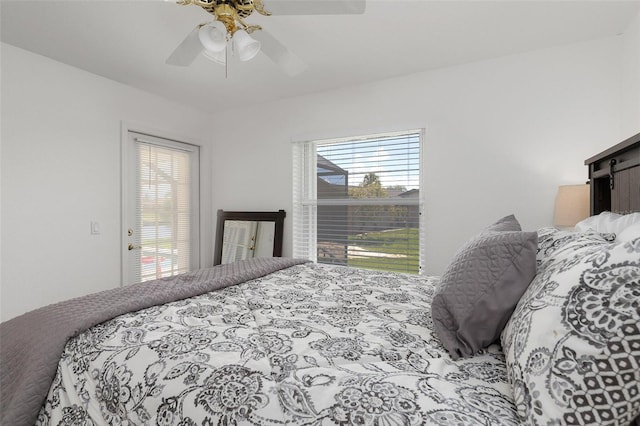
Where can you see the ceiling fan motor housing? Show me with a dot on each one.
(243, 8)
(231, 12)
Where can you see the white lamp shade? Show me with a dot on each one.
(213, 36)
(245, 46)
(572, 205)
(218, 57)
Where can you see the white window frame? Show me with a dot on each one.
(305, 202)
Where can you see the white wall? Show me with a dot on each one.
(631, 80)
(61, 170)
(501, 135)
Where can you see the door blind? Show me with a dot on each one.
(164, 215)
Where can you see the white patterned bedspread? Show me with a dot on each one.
(311, 344)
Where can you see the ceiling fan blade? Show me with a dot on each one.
(290, 63)
(315, 7)
(187, 51)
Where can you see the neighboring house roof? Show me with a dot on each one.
(410, 193)
(328, 165)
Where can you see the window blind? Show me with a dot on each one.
(357, 201)
(163, 219)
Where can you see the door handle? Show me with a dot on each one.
(133, 247)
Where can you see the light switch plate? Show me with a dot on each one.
(95, 228)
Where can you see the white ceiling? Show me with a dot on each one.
(129, 41)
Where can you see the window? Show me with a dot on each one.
(357, 201)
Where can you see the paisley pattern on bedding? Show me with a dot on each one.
(311, 344)
(585, 368)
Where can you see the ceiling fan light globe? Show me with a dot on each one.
(213, 36)
(217, 57)
(245, 46)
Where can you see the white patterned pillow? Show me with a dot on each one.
(608, 222)
(553, 242)
(572, 345)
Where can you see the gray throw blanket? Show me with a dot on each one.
(31, 344)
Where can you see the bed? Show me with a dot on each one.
(551, 340)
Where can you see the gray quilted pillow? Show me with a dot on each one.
(480, 289)
(507, 223)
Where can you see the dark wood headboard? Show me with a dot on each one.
(615, 178)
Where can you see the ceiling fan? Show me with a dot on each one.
(228, 33)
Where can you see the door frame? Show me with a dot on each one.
(125, 128)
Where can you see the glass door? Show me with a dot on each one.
(161, 217)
